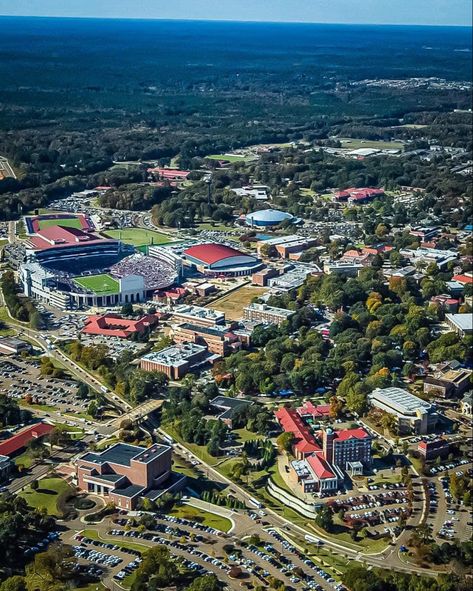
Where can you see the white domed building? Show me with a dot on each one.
(267, 218)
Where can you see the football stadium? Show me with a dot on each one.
(70, 267)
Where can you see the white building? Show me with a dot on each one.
(413, 414)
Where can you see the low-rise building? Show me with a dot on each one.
(430, 255)
(462, 324)
(5, 468)
(217, 339)
(197, 315)
(466, 405)
(347, 269)
(430, 450)
(304, 441)
(316, 413)
(17, 442)
(413, 415)
(261, 277)
(449, 383)
(13, 346)
(294, 277)
(178, 360)
(114, 325)
(228, 407)
(266, 314)
(126, 473)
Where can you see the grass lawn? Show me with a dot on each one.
(139, 236)
(217, 227)
(233, 303)
(98, 586)
(5, 320)
(66, 222)
(387, 479)
(25, 459)
(42, 407)
(93, 535)
(354, 144)
(102, 283)
(228, 157)
(204, 517)
(46, 497)
(199, 450)
(245, 435)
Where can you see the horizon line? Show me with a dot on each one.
(222, 20)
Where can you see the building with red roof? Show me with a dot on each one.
(347, 446)
(466, 278)
(291, 422)
(220, 260)
(358, 195)
(114, 325)
(20, 440)
(316, 413)
(169, 174)
(319, 468)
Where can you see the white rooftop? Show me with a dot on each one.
(175, 356)
(462, 321)
(400, 400)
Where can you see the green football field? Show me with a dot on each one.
(98, 283)
(139, 236)
(66, 222)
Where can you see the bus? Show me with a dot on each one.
(169, 440)
(312, 539)
(256, 503)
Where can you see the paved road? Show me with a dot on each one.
(388, 558)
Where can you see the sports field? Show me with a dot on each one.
(355, 144)
(229, 157)
(66, 222)
(98, 283)
(139, 236)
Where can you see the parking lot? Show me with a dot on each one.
(259, 561)
(448, 518)
(20, 379)
(380, 510)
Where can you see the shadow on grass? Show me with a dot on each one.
(46, 491)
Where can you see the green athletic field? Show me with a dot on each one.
(228, 157)
(139, 236)
(98, 283)
(66, 222)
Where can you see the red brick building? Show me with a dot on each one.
(114, 325)
(125, 473)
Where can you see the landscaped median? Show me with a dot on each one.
(203, 516)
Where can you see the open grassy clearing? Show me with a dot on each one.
(102, 283)
(48, 495)
(139, 236)
(229, 157)
(245, 435)
(355, 144)
(5, 330)
(66, 222)
(25, 459)
(199, 450)
(205, 517)
(233, 303)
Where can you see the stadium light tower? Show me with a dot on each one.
(208, 180)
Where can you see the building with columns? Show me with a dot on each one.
(125, 473)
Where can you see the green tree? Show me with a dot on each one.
(285, 441)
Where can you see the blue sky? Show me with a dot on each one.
(432, 12)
